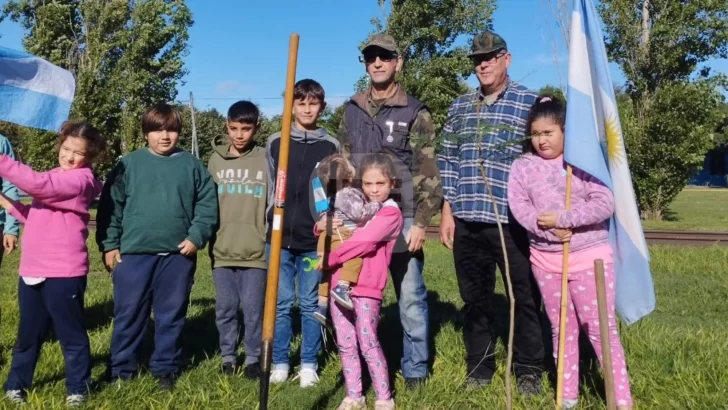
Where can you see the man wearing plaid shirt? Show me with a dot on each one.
(483, 134)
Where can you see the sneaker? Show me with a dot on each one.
(278, 376)
(352, 404)
(166, 382)
(252, 371)
(342, 294)
(228, 369)
(75, 400)
(529, 384)
(476, 383)
(320, 314)
(15, 396)
(569, 404)
(308, 377)
(413, 382)
(384, 405)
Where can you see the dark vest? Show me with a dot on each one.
(388, 132)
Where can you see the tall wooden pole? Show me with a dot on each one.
(604, 335)
(193, 143)
(274, 262)
(564, 306)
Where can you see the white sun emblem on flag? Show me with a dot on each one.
(615, 146)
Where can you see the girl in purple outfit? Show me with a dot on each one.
(537, 197)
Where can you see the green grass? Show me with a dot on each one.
(694, 209)
(677, 356)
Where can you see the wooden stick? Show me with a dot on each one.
(274, 263)
(564, 306)
(511, 298)
(604, 335)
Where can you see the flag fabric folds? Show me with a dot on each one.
(33, 92)
(594, 144)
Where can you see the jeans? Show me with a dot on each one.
(296, 263)
(56, 303)
(237, 288)
(477, 251)
(141, 283)
(409, 286)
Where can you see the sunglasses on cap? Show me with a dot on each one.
(384, 56)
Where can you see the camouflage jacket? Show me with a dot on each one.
(371, 127)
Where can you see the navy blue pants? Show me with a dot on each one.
(143, 282)
(56, 302)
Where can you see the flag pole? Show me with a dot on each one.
(564, 305)
(274, 263)
(604, 335)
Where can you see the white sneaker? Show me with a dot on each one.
(15, 396)
(384, 405)
(308, 377)
(353, 404)
(75, 400)
(278, 376)
(570, 404)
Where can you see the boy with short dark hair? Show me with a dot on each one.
(157, 209)
(237, 252)
(309, 145)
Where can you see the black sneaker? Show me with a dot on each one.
(16, 396)
(228, 369)
(166, 381)
(252, 371)
(529, 384)
(413, 382)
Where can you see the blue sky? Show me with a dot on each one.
(239, 48)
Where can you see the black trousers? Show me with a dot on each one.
(477, 251)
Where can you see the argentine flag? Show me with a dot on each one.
(33, 92)
(594, 144)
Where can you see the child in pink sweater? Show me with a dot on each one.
(356, 330)
(537, 199)
(54, 258)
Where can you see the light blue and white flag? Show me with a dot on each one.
(595, 145)
(33, 92)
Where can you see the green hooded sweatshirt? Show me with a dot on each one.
(241, 192)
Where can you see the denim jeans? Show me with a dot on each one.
(409, 285)
(296, 263)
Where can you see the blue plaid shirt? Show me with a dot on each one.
(476, 133)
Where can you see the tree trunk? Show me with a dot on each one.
(645, 40)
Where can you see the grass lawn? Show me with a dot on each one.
(677, 356)
(694, 209)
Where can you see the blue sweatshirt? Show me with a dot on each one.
(9, 224)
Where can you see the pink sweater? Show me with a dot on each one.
(53, 244)
(374, 243)
(537, 185)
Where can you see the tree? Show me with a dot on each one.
(210, 125)
(435, 69)
(551, 90)
(125, 56)
(663, 47)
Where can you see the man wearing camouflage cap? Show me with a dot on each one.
(484, 133)
(385, 119)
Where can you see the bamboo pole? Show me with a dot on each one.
(564, 306)
(604, 335)
(274, 263)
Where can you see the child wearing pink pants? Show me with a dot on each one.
(537, 197)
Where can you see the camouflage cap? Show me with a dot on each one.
(486, 43)
(384, 41)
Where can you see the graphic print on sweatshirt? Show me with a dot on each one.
(238, 182)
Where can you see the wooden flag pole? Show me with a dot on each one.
(274, 263)
(604, 335)
(564, 306)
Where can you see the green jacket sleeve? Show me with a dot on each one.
(111, 210)
(206, 209)
(11, 225)
(425, 173)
